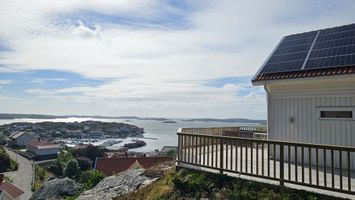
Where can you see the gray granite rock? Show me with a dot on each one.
(57, 189)
(117, 185)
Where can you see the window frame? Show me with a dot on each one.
(335, 108)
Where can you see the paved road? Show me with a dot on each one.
(22, 178)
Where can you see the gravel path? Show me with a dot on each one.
(22, 178)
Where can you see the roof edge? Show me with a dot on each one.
(299, 79)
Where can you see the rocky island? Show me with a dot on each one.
(85, 129)
(135, 144)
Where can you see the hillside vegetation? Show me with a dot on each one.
(189, 184)
(6, 164)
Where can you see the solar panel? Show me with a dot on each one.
(334, 47)
(326, 48)
(290, 54)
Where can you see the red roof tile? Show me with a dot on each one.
(11, 189)
(39, 142)
(110, 166)
(305, 73)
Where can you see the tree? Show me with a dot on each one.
(91, 152)
(2, 139)
(72, 169)
(6, 163)
(84, 163)
(63, 158)
(91, 178)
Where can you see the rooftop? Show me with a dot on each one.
(41, 143)
(17, 134)
(9, 188)
(325, 52)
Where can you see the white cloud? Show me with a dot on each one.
(5, 82)
(43, 80)
(155, 69)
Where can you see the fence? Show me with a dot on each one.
(320, 166)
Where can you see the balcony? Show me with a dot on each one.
(246, 151)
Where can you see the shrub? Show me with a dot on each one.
(63, 158)
(90, 152)
(91, 178)
(72, 169)
(6, 164)
(55, 169)
(84, 163)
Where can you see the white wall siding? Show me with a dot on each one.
(23, 140)
(300, 101)
(46, 152)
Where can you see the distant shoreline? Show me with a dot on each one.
(9, 116)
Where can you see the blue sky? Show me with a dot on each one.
(147, 57)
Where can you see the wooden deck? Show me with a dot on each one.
(267, 161)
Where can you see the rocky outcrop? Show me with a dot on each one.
(135, 144)
(117, 185)
(57, 189)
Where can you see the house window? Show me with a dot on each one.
(336, 114)
(346, 113)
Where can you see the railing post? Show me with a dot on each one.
(179, 149)
(221, 156)
(282, 164)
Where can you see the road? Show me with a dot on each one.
(23, 177)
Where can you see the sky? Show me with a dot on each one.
(148, 58)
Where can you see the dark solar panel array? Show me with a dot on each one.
(290, 54)
(333, 47)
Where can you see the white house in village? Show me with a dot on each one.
(41, 148)
(20, 138)
(309, 80)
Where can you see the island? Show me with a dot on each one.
(169, 122)
(85, 129)
(135, 144)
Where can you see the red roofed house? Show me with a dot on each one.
(111, 166)
(42, 148)
(8, 191)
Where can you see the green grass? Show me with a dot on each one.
(41, 175)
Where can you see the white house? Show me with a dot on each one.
(20, 138)
(309, 80)
(41, 148)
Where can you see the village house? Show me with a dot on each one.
(42, 149)
(9, 191)
(309, 80)
(20, 138)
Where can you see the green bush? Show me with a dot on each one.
(195, 184)
(63, 158)
(91, 152)
(40, 173)
(72, 169)
(91, 178)
(84, 163)
(55, 169)
(6, 163)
